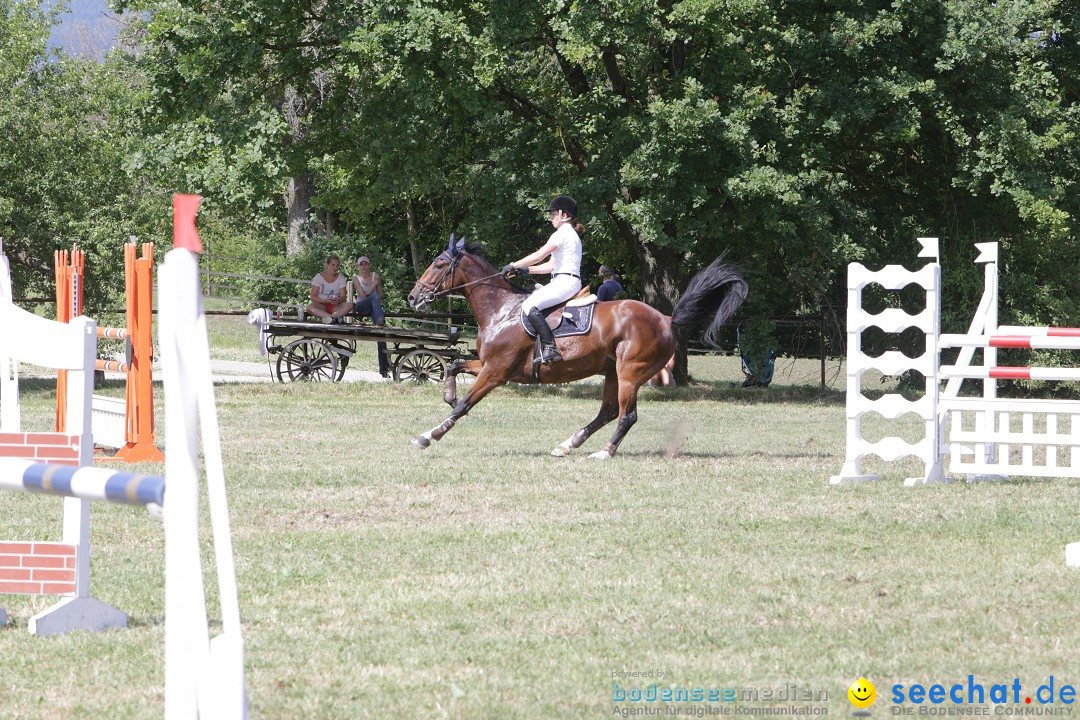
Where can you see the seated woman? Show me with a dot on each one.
(368, 287)
(664, 378)
(328, 293)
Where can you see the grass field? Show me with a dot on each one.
(483, 578)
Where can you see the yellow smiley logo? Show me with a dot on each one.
(862, 693)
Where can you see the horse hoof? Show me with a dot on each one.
(421, 442)
(601, 455)
(560, 451)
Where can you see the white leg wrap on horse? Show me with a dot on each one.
(563, 449)
(601, 455)
(423, 440)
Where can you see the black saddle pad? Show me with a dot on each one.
(575, 321)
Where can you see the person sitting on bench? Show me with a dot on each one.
(368, 286)
(328, 293)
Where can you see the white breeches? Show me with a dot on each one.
(560, 289)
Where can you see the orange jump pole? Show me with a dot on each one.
(139, 435)
(139, 284)
(68, 269)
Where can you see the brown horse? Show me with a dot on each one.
(628, 343)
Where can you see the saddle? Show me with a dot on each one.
(573, 317)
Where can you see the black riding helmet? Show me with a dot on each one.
(564, 203)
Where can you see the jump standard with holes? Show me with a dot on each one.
(983, 437)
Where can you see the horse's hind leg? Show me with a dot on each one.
(609, 410)
(628, 392)
(473, 367)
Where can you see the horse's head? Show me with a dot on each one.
(438, 279)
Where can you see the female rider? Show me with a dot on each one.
(564, 247)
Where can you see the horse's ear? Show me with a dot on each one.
(461, 245)
(450, 247)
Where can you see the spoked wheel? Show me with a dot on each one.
(345, 350)
(306, 359)
(420, 366)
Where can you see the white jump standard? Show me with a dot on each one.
(204, 675)
(892, 405)
(983, 436)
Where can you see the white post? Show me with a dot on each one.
(204, 678)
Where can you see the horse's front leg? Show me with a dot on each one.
(486, 381)
(472, 367)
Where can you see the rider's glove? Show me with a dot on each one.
(510, 271)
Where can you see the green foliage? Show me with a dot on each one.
(799, 136)
(67, 133)
(802, 139)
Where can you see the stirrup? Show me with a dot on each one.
(549, 354)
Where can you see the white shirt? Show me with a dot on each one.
(328, 291)
(567, 256)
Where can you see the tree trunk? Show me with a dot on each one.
(298, 202)
(330, 222)
(662, 281)
(414, 242)
(298, 195)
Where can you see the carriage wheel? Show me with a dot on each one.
(306, 359)
(343, 358)
(420, 366)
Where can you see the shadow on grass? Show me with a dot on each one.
(698, 391)
(584, 452)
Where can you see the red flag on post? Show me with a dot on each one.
(184, 233)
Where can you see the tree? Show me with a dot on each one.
(801, 136)
(63, 158)
(236, 88)
(798, 136)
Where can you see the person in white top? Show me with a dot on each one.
(368, 287)
(328, 293)
(564, 247)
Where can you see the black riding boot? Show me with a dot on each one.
(548, 352)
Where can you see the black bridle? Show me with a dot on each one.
(430, 291)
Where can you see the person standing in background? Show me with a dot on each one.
(610, 288)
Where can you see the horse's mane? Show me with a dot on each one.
(476, 249)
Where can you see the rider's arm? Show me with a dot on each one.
(543, 268)
(537, 256)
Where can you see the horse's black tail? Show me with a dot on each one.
(712, 296)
